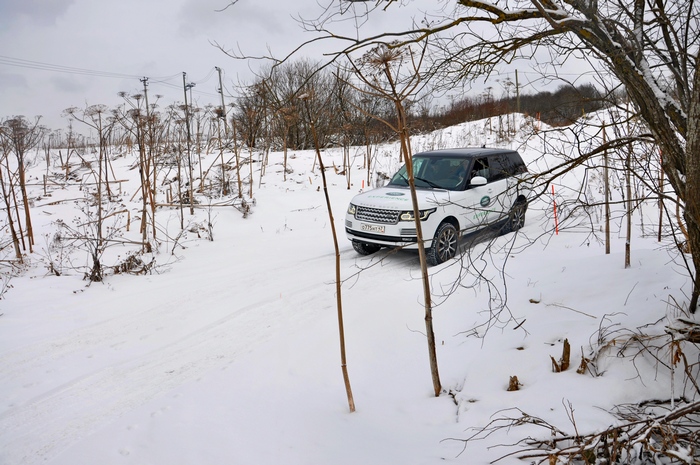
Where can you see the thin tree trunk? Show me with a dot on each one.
(15, 204)
(250, 165)
(628, 182)
(10, 221)
(661, 198)
(236, 151)
(284, 163)
(338, 287)
(606, 187)
(692, 200)
(406, 154)
(25, 202)
(179, 188)
(144, 176)
(224, 185)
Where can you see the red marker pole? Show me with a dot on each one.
(556, 220)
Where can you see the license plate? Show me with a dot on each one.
(375, 228)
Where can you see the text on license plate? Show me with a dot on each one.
(375, 228)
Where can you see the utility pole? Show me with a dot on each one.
(187, 86)
(222, 115)
(223, 105)
(187, 110)
(148, 119)
(147, 168)
(145, 93)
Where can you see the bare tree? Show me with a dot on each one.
(139, 122)
(9, 197)
(22, 136)
(98, 118)
(395, 75)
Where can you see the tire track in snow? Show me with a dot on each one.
(123, 329)
(39, 429)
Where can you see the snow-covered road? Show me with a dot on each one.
(139, 337)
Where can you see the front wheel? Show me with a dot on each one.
(444, 245)
(364, 248)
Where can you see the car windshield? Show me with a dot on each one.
(434, 173)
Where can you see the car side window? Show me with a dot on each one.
(506, 165)
(500, 167)
(481, 168)
(517, 163)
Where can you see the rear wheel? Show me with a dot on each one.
(444, 245)
(516, 218)
(364, 248)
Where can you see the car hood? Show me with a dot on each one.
(399, 198)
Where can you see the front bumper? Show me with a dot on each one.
(399, 235)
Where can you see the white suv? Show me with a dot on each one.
(458, 190)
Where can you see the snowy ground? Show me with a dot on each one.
(229, 354)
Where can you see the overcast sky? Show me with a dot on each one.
(56, 54)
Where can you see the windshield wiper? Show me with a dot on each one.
(392, 182)
(430, 183)
(417, 178)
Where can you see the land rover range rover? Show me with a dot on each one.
(458, 191)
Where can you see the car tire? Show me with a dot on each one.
(444, 246)
(516, 218)
(364, 248)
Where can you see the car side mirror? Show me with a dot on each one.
(478, 181)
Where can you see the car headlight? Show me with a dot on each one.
(422, 214)
(352, 209)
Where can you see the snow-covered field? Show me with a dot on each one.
(228, 352)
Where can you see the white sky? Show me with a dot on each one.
(159, 39)
(43, 42)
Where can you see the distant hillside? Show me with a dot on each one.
(559, 108)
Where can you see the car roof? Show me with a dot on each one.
(467, 152)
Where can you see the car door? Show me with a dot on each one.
(475, 200)
(502, 186)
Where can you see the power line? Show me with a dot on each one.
(38, 65)
(207, 77)
(21, 63)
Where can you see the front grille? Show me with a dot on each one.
(377, 215)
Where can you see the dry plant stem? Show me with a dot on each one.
(406, 152)
(618, 439)
(8, 206)
(383, 59)
(338, 290)
(21, 136)
(563, 363)
(430, 333)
